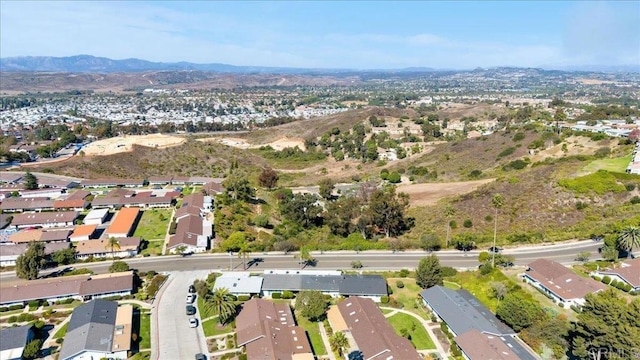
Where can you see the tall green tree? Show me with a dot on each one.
(221, 303)
(341, 215)
(387, 210)
(29, 264)
(497, 202)
(238, 188)
(338, 342)
(518, 312)
(30, 181)
(629, 239)
(112, 244)
(429, 272)
(311, 305)
(607, 328)
(64, 256)
(326, 188)
(301, 209)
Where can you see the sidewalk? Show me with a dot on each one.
(325, 340)
(155, 341)
(426, 325)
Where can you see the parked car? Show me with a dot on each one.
(191, 298)
(192, 289)
(193, 322)
(201, 357)
(191, 310)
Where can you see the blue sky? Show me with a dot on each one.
(329, 34)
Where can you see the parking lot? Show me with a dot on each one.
(176, 339)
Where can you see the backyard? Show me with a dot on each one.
(405, 325)
(407, 296)
(211, 328)
(153, 224)
(314, 335)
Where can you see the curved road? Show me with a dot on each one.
(371, 260)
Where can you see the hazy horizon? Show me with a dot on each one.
(330, 35)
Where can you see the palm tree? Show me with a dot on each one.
(628, 239)
(497, 202)
(243, 253)
(449, 211)
(221, 303)
(112, 244)
(338, 342)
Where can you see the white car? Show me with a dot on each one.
(191, 298)
(193, 322)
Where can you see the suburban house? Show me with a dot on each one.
(13, 341)
(160, 180)
(96, 216)
(9, 253)
(332, 283)
(127, 247)
(462, 312)
(132, 201)
(374, 337)
(268, 331)
(50, 219)
(50, 236)
(213, 188)
(76, 201)
(239, 283)
(98, 329)
(83, 232)
(475, 345)
(192, 234)
(18, 204)
(123, 223)
(200, 201)
(80, 287)
(628, 273)
(107, 183)
(563, 285)
(41, 193)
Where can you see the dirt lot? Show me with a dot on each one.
(429, 194)
(124, 143)
(244, 144)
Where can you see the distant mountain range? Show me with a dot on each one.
(93, 64)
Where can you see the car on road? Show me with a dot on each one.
(192, 289)
(193, 322)
(191, 310)
(495, 249)
(201, 357)
(254, 261)
(191, 298)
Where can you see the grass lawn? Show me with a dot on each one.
(211, 328)
(61, 332)
(616, 164)
(143, 355)
(408, 295)
(451, 285)
(480, 286)
(202, 309)
(419, 336)
(386, 311)
(153, 224)
(154, 247)
(314, 335)
(145, 330)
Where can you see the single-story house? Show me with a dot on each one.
(106, 183)
(83, 232)
(213, 188)
(239, 283)
(332, 283)
(268, 332)
(475, 345)
(52, 193)
(17, 204)
(48, 219)
(192, 233)
(9, 253)
(127, 247)
(123, 222)
(13, 341)
(374, 336)
(563, 285)
(160, 180)
(98, 329)
(96, 216)
(43, 235)
(628, 273)
(463, 312)
(80, 287)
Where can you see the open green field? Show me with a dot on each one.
(615, 165)
(154, 247)
(211, 328)
(145, 330)
(153, 224)
(314, 335)
(419, 336)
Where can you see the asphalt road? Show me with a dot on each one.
(371, 260)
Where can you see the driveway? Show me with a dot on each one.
(175, 339)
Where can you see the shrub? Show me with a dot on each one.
(603, 152)
(389, 290)
(34, 304)
(276, 295)
(13, 318)
(244, 298)
(384, 299)
(467, 223)
(518, 136)
(635, 200)
(630, 186)
(486, 269)
(399, 284)
(614, 283)
(506, 152)
(287, 294)
(38, 324)
(4, 308)
(599, 182)
(394, 178)
(448, 271)
(581, 205)
(606, 280)
(403, 273)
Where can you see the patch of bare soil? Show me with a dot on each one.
(429, 194)
(125, 143)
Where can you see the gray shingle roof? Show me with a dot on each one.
(462, 311)
(90, 328)
(14, 337)
(365, 285)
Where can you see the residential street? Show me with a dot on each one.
(174, 339)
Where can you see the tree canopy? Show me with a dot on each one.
(29, 264)
(311, 305)
(268, 178)
(30, 181)
(429, 272)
